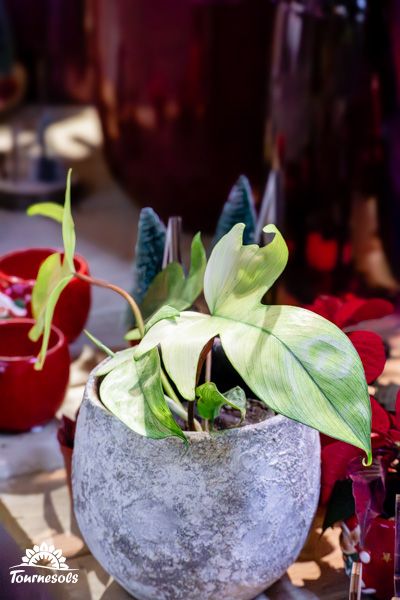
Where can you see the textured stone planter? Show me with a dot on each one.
(220, 521)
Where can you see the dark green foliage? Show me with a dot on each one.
(148, 253)
(239, 208)
(341, 504)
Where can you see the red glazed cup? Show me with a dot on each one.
(29, 398)
(18, 272)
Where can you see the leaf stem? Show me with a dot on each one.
(169, 390)
(121, 292)
(191, 415)
(181, 412)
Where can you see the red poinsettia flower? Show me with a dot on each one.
(350, 310)
(345, 312)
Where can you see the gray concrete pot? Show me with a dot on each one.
(220, 521)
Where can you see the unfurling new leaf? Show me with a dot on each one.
(211, 400)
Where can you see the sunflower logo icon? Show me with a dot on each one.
(44, 556)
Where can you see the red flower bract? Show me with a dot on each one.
(370, 347)
(350, 309)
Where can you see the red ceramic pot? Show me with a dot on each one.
(376, 555)
(18, 272)
(29, 398)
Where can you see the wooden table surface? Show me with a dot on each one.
(35, 507)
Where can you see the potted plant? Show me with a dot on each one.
(18, 273)
(181, 489)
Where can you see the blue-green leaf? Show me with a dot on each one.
(211, 400)
(148, 252)
(239, 208)
(132, 391)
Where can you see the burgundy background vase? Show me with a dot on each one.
(28, 397)
(181, 90)
(18, 271)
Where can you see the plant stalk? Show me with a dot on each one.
(169, 390)
(121, 292)
(191, 415)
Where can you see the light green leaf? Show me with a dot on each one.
(48, 316)
(68, 227)
(132, 391)
(52, 210)
(98, 343)
(51, 272)
(171, 286)
(211, 400)
(165, 312)
(118, 359)
(133, 335)
(298, 363)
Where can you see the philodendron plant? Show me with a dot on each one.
(294, 361)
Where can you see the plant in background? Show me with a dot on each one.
(294, 361)
(154, 285)
(239, 208)
(149, 252)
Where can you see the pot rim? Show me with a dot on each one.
(61, 341)
(83, 266)
(91, 391)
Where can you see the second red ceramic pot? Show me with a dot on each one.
(29, 397)
(18, 272)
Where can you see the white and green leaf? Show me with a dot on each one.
(132, 391)
(119, 358)
(298, 363)
(211, 400)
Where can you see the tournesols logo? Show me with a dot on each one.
(43, 557)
